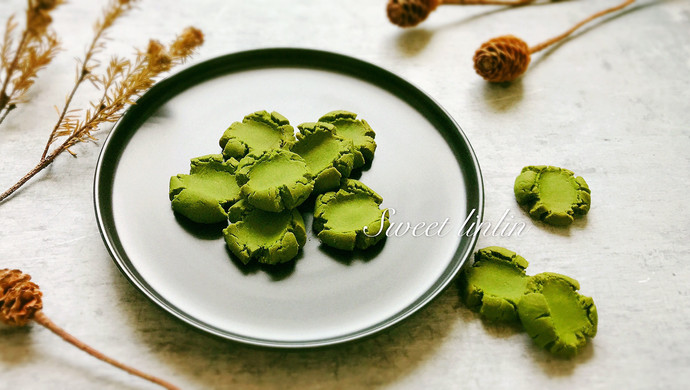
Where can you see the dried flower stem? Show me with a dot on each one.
(42, 319)
(557, 38)
(122, 83)
(36, 48)
(114, 10)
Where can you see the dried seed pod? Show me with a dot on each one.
(501, 59)
(20, 298)
(20, 302)
(505, 58)
(409, 13)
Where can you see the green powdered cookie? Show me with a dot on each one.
(275, 181)
(270, 238)
(555, 315)
(359, 131)
(340, 218)
(209, 189)
(328, 156)
(257, 133)
(553, 195)
(494, 284)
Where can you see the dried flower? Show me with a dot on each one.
(34, 50)
(20, 298)
(121, 84)
(20, 302)
(507, 57)
(502, 59)
(409, 13)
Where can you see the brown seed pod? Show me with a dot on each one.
(409, 13)
(20, 302)
(507, 57)
(500, 59)
(20, 298)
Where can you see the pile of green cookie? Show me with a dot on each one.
(265, 171)
(548, 305)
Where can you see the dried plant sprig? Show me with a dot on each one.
(21, 301)
(507, 57)
(409, 13)
(85, 66)
(36, 47)
(122, 83)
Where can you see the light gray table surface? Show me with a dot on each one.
(612, 104)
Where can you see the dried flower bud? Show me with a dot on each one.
(409, 13)
(157, 57)
(502, 59)
(20, 298)
(184, 45)
(45, 4)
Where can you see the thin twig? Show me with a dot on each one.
(557, 38)
(13, 66)
(42, 319)
(6, 112)
(108, 19)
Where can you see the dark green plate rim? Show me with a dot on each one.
(137, 114)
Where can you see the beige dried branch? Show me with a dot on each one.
(36, 47)
(122, 83)
(21, 301)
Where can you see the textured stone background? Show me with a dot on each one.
(611, 104)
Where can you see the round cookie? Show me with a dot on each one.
(358, 131)
(204, 195)
(555, 316)
(275, 181)
(258, 132)
(269, 238)
(350, 217)
(551, 194)
(329, 157)
(495, 283)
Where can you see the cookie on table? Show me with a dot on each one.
(552, 195)
(207, 192)
(556, 316)
(329, 156)
(350, 217)
(358, 131)
(258, 132)
(275, 181)
(494, 284)
(266, 237)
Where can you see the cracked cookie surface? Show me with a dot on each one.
(494, 284)
(329, 156)
(275, 181)
(556, 316)
(340, 217)
(358, 131)
(257, 133)
(552, 195)
(266, 237)
(205, 194)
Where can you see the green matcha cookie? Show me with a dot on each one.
(275, 181)
(328, 156)
(340, 217)
(270, 238)
(209, 189)
(553, 195)
(257, 133)
(495, 283)
(359, 131)
(555, 315)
